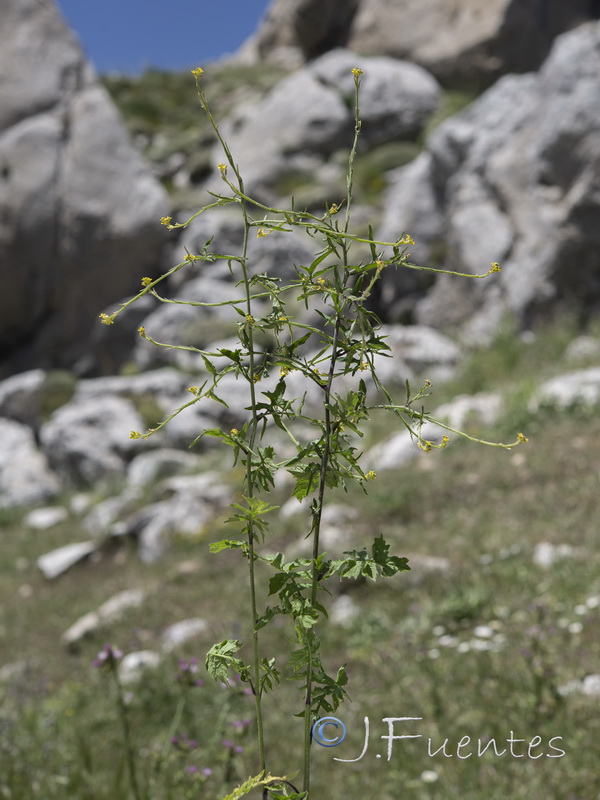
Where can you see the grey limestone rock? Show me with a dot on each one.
(181, 632)
(21, 396)
(79, 208)
(462, 42)
(25, 477)
(400, 449)
(41, 519)
(513, 179)
(87, 440)
(574, 388)
(309, 115)
(109, 612)
(54, 563)
(133, 665)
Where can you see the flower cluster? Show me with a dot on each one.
(107, 657)
(187, 674)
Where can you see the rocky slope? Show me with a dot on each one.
(461, 42)
(513, 178)
(78, 205)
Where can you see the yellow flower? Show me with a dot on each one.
(521, 438)
(333, 209)
(190, 258)
(257, 377)
(142, 331)
(135, 435)
(406, 239)
(262, 232)
(282, 319)
(165, 221)
(357, 72)
(445, 440)
(234, 431)
(222, 168)
(363, 366)
(198, 72)
(427, 382)
(193, 389)
(380, 264)
(146, 281)
(250, 319)
(105, 319)
(496, 267)
(370, 476)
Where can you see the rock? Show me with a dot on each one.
(148, 468)
(25, 477)
(110, 349)
(181, 632)
(417, 351)
(515, 180)
(104, 520)
(62, 559)
(87, 440)
(590, 686)
(411, 205)
(13, 671)
(186, 325)
(466, 42)
(582, 349)
(43, 518)
(294, 30)
(396, 100)
(79, 208)
(399, 450)
(565, 391)
(422, 565)
(298, 116)
(109, 612)
(190, 503)
(133, 665)
(21, 397)
(343, 610)
(225, 228)
(545, 553)
(163, 386)
(309, 115)
(83, 627)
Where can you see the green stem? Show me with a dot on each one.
(249, 480)
(129, 751)
(341, 282)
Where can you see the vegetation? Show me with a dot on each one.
(487, 638)
(478, 644)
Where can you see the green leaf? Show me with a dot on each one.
(225, 544)
(277, 582)
(220, 658)
(252, 783)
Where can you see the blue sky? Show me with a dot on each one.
(130, 35)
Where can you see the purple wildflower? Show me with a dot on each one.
(107, 657)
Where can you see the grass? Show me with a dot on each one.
(477, 644)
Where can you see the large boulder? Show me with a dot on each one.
(79, 208)
(87, 440)
(309, 115)
(25, 477)
(463, 42)
(514, 179)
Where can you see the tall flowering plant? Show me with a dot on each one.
(338, 359)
